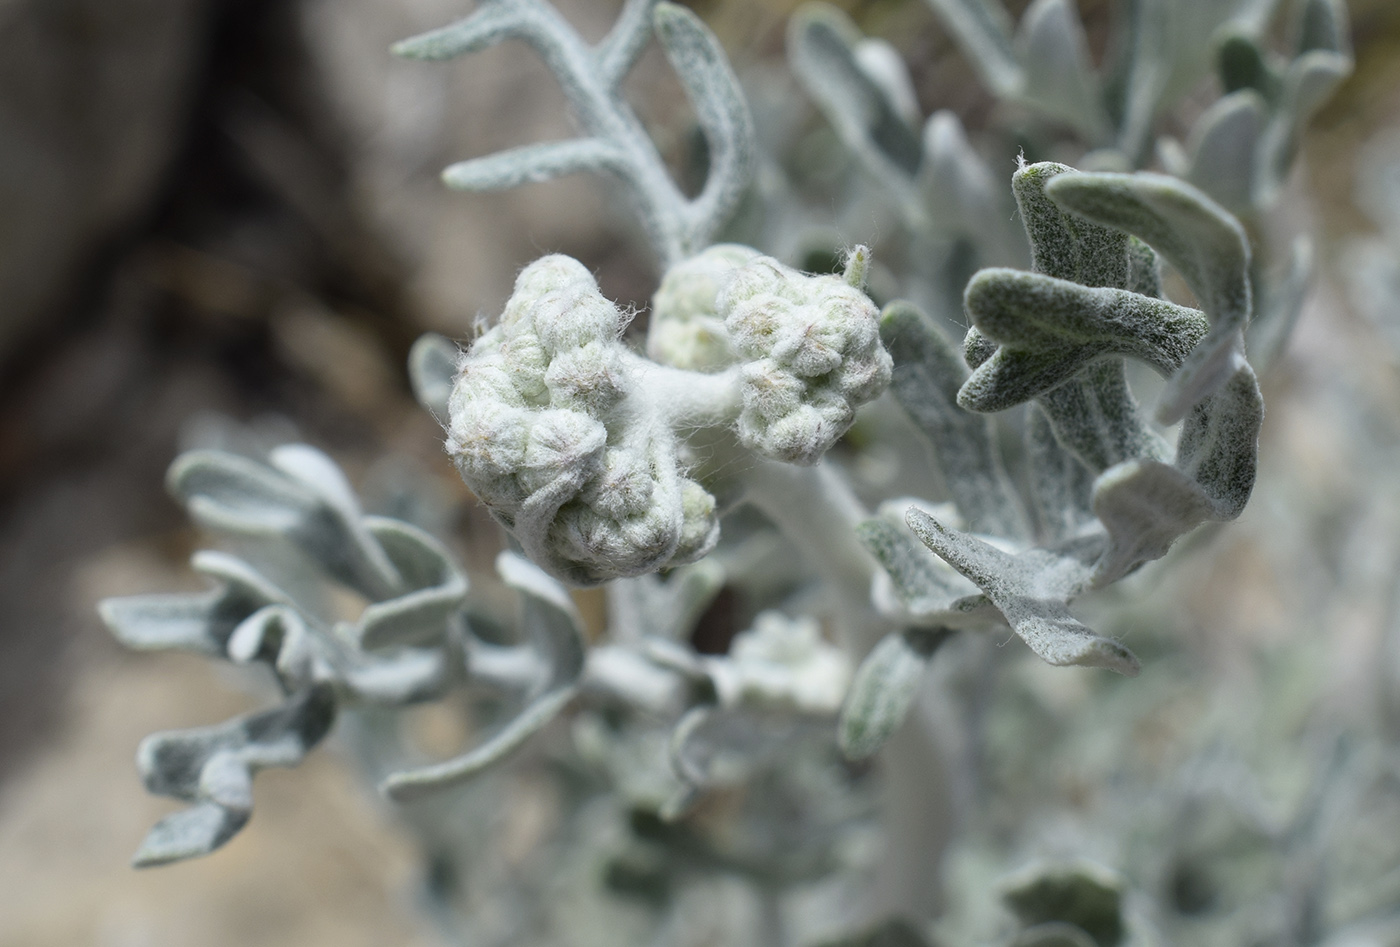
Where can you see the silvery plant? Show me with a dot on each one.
(889, 503)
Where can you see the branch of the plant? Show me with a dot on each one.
(620, 49)
(686, 400)
(722, 113)
(615, 139)
(815, 508)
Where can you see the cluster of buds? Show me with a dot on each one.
(572, 440)
(550, 427)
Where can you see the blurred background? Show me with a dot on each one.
(217, 211)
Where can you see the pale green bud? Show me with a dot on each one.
(812, 344)
(685, 329)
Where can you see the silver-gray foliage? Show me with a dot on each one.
(696, 784)
(614, 140)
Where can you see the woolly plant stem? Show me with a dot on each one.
(686, 399)
(815, 508)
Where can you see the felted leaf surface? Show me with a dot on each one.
(1032, 590)
(1146, 506)
(1206, 245)
(1096, 417)
(213, 768)
(201, 621)
(1219, 443)
(883, 689)
(1049, 329)
(928, 372)
(1062, 245)
(1060, 483)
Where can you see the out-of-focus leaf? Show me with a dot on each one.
(1054, 54)
(213, 767)
(884, 688)
(302, 499)
(1223, 145)
(436, 589)
(983, 27)
(822, 44)
(201, 621)
(1081, 894)
(555, 631)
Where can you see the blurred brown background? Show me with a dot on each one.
(230, 208)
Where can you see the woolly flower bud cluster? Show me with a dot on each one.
(811, 352)
(547, 425)
(686, 329)
(782, 661)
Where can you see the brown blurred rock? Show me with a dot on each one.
(92, 94)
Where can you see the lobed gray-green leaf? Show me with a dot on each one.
(213, 767)
(928, 372)
(201, 621)
(436, 589)
(302, 500)
(1050, 329)
(1031, 590)
(1201, 240)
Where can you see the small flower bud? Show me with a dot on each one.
(685, 329)
(812, 344)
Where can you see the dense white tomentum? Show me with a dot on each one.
(551, 426)
(572, 439)
(812, 355)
